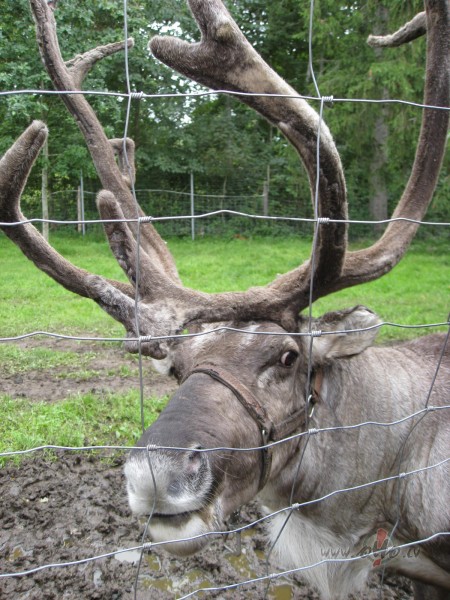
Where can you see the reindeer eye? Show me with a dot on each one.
(288, 358)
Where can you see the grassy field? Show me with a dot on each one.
(415, 292)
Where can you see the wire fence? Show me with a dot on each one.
(68, 206)
(184, 219)
(196, 215)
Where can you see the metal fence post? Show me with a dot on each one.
(265, 206)
(83, 225)
(192, 207)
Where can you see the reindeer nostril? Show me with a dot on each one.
(194, 460)
(195, 453)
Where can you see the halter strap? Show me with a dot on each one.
(268, 430)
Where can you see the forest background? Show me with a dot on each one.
(228, 150)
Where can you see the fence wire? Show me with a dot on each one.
(311, 334)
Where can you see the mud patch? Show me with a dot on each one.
(74, 507)
(101, 368)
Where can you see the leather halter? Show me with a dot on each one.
(269, 431)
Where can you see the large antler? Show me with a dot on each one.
(15, 167)
(224, 60)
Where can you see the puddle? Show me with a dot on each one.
(133, 556)
(153, 577)
(236, 558)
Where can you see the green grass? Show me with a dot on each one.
(30, 300)
(16, 360)
(77, 421)
(415, 292)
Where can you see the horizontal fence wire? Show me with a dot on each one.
(148, 338)
(157, 447)
(149, 219)
(193, 94)
(317, 222)
(149, 546)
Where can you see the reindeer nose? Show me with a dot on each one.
(192, 465)
(178, 480)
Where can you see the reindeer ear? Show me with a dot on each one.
(344, 343)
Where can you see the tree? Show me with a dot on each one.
(376, 141)
(223, 143)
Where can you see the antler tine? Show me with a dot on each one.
(224, 60)
(124, 150)
(80, 66)
(125, 248)
(15, 167)
(68, 76)
(410, 31)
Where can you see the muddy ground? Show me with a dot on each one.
(102, 362)
(74, 507)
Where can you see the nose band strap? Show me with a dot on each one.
(251, 405)
(269, 431)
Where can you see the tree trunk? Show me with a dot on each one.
(44, 191)
(379, 199)
(266, 188)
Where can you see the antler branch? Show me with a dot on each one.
(409, 32)
(80, 66)
(371, 263)
(116, 298)
(66, 78)
(15, 167)
(224, 60)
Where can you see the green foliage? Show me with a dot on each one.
(229, 148)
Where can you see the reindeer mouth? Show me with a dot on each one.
(183, 533)
(174, 518)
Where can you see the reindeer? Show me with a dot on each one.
(279, 396)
